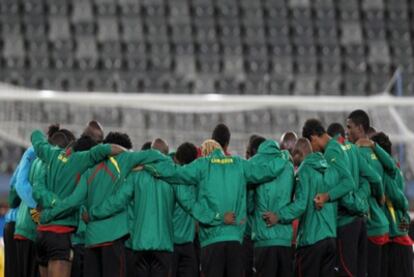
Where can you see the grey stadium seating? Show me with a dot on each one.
(201, 46)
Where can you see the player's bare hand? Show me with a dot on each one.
(35, 214)
(229, 218)
(270, 218)
(320, 199)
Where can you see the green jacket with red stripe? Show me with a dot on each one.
(315, 225)
(271, 196)
(151, 205)
(355, 203)
(95, 186)
(377, 223)
(25, 226)
(64, 168)
(396, 206)
(221, 182)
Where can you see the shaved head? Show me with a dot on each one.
(288, 140)
(95, 131)
(301, 149)
(160, 145)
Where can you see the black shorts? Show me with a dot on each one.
(53, 246)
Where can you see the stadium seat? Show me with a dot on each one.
(306, 42)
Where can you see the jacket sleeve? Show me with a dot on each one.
(143, 157)
(176, 174)
(93, 156)
(23, 186)
(364, 190)
(43, 149)
(68, 205)
(346, 183)
(395, 194)
(260, 173)
(386, 160)
(377, 188)
(187, 200)
(296, 208)
(115, 203)
(41, 194)
(366, 171)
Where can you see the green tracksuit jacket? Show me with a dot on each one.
(25, 226)
(315, 225)
(396, 207)
(96, 185)
(183, 222)
(377, 223)
(355, 203)
(64, 168)
(221, 182)
(152, 226)
(271, 196)
(337, 158)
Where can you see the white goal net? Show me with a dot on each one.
(179, 118)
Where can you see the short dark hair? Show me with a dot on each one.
(336, 129)
(84, 143)
(52, 129)
(60, 137)
(146, 145)
(221, 134)
(254, 145)
(312, 127)
(119, 138)
(360, 118)
(384, 141)
(186, 153)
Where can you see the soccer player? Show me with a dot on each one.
(352, 209)
(64, 167)
(10, 245)
(272, 245)
(335, 156)
(25, 231)
(288, 141)
(221, 134)
(247, 240)
(151, 230)
(221, 182)
(377, 225)
(400, 254)
(316, 251)
(104, 253)
(185, 262)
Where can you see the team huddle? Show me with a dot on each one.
(325, 204)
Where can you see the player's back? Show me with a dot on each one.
(316, 225)
(153, 210)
